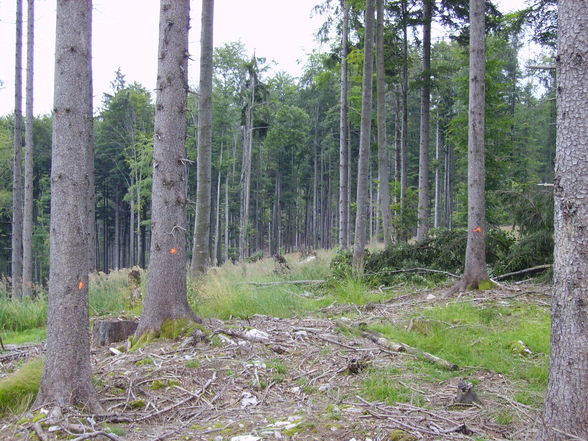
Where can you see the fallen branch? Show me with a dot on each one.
(524, 271)
(39, 431)
(287, 282)
(414, 270)
(184, 401)
(85, 436)
(403, 347)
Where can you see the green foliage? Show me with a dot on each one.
(482, 337)
(110, 294)
(23, 314)
(381, 385)
(18, 390)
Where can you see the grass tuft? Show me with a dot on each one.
(18, 390)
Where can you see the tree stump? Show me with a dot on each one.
(108, 331)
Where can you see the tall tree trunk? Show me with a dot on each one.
(216, 246)
(167, 296)
(67, 377)
(343, 136)
(132, 227)
(448, 197)
(17, 189)
(201, 248)
(475, 259)
(566, 403)
(364, 142)
(246, 168)
(117, 254)
(423, 206)
(27, 226)
(404, 149)
(437, 208)
(227, 220)
(383, 155)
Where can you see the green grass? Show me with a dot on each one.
(481, 338)
(110, 294)
(224, 298)
(381, 385)
(18, 390)
(34, 335)
(23, 314)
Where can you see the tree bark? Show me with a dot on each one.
(383, 155)
(17, 189)
(167, 296)
(364, 142)
(27, 226)
(423, 205)
(246, 166)
(343, 135)
(475, 259)
(437, 208)
(404, 142)
(217, 224)
(201, 248)
(566, 403)
(67, 377)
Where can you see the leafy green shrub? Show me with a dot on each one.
(442, 250)
(531, 250)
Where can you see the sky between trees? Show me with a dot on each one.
(125, 36)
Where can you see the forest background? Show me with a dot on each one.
(295, 157)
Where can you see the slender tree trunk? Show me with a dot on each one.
(246, 169)
(437, 209)
(116, 256)
(350, 226)
(67, 377)
(343, 136)
(216, 247)
(167, 296)
(423, 206)
(566, 403)
(17, 188)
(27, 228)
(201, 249)
(448, 198)
(404, 149)
(227, 219)
(475, 260)
(364, 142)
(132, 227)
(383, 155)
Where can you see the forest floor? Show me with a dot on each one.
(299, 379)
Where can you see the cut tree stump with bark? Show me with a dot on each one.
(109, 331)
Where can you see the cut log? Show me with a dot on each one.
(108, 331)
(403, 347)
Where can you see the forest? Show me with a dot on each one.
(414, 191)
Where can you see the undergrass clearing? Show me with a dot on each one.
(482, 338)
(230, 291)
(34, 335)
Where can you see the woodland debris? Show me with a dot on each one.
(287, 282)
(523, 271)
(377, 338)
(108, 331)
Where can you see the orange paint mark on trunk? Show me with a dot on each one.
(173, 251)
(81, 285)
(478, 230)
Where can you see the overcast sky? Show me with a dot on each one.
(125, 36)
